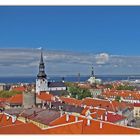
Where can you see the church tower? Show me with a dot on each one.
(41, 81)
(92, 72)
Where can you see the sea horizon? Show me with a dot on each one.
(67, 78)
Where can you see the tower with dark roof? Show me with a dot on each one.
(41, 81)
(92, 72)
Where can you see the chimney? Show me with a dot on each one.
(101, 117)
(101, 125)
(76, 118)
(88, 122)
(105, 118)
(61, 113)
(60, 107)
(67, 117)
(50, 105)
(7, 117)
(14, 119)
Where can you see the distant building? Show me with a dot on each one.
(4, 86)
(136, 111)
(93, 80)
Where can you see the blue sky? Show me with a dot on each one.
(114, 30)
(104, 32)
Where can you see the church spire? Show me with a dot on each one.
(41, 58)
(41, 73)
(92, 72)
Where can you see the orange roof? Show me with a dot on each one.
(62, 120)
(45, 96)
(3, 99)
(112, 106)
(19, 88)
(81, 127)
(71, 101)
(5, 122)
(107, 128)
(135, 95)
(16, 99)
(74, 128)
(60, 126)
(24, 128)
(84, 111)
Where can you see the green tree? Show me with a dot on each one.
(7, 94)
(79, 93)
(118, 98)
(125, 87)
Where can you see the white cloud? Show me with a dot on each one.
(102, 58)
(61, 62)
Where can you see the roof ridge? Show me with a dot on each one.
(62, 125)
(115, 124)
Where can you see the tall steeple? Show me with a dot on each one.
(92, 72)
(41, 81)
(41, 73)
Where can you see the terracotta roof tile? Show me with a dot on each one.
(26, 128)
(5, 122)
(71, 101)
(16, 99)
(20, 88)
(45, 96)
(136, 104)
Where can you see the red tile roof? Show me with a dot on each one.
(81, 127)
(19, 88)
(5, 122)
(3, 99)
(107, 128)
(60, 126)
(45, 96)
(109, 105)
(16, 99)
(71, 101)
(24, 128)
(135, 95)
(73, 128)
(111, 117)
(62, 120)
(136, 104)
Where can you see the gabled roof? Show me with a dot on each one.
(5, 122)
(45, 116)
(71, 101)
(3, 99)
(72, 128)
(19, 88)
(45, 96)
(59, 92)
(111, 117)
(16, 99)
(30, 112)
(14, 111)
(80, 127)
(109, 105)
(56, 84)
(23, 128)
(126, 94)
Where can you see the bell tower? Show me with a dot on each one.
(41, 81)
